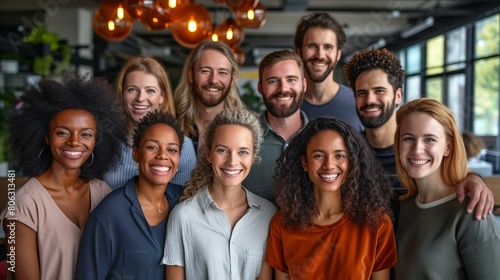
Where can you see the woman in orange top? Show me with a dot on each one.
(334, 219)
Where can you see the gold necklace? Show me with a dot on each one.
(159, 211)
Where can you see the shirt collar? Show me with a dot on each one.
(266, 127)
(205, 200)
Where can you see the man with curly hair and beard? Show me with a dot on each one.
(319, 39)
(376, 77)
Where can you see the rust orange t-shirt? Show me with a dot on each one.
(342, 250)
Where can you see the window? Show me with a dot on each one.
(486, 76)
(413, 57)
(434, 88)
(487, 38)
(412, 88)
(435, 55)
(455, 49)
(486, 97)
(456, 98)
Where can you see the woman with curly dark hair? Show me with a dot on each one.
(64, 136)
(334, 219)
(139, 210)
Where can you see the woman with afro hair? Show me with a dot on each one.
(64, 136)
(334, 219)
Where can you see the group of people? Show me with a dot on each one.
(205, 189)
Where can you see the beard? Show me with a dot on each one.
(211, 100)
(319, 78)
(282, 111)
(376, 122)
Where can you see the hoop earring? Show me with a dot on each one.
(40, 153)
(136, 165)
(92, 161)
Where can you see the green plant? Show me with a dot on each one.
(42, 64)
(252, 100)
(39, 34)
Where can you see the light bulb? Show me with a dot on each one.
(215, 38)
(172, 3)
(111, 25)
(251, 14)
(120, 13)
(229, 34)
(192, 25)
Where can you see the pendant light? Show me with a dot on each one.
(193, 27)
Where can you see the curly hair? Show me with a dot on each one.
(29, 125)
(184, 96)
(454, 167)
(322, 20)
(365, 193)
(375, 59)
(203, 174)
(152, 66)
(156, 117)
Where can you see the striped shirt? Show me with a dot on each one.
(123, 171)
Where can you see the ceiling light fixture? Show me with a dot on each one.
(417, 28)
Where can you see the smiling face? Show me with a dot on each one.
(376, 100)
(141, 94)
(326, 161)
(423, 145)
(282, 88)
(211, 78)
(157, 155)
(320, 53)
(71, 137)
(231, 155)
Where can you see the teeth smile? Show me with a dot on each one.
(140, 107)
(212, 89)
(231, 172)
(329, 176)
(371, 109)
(160, 168)
(419, 162)
(282, 98)
(319, 64)
(73, 153)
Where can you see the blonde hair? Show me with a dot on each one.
(454, 167)
(184, 96)
(203, 174)
(153, 67)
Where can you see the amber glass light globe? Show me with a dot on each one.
(193, 27)
(135, 8)
(233, 4)
(177, 8)
(114, 9)
(230, 32)
(111, 30)
(157, 16)
(251, 15)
